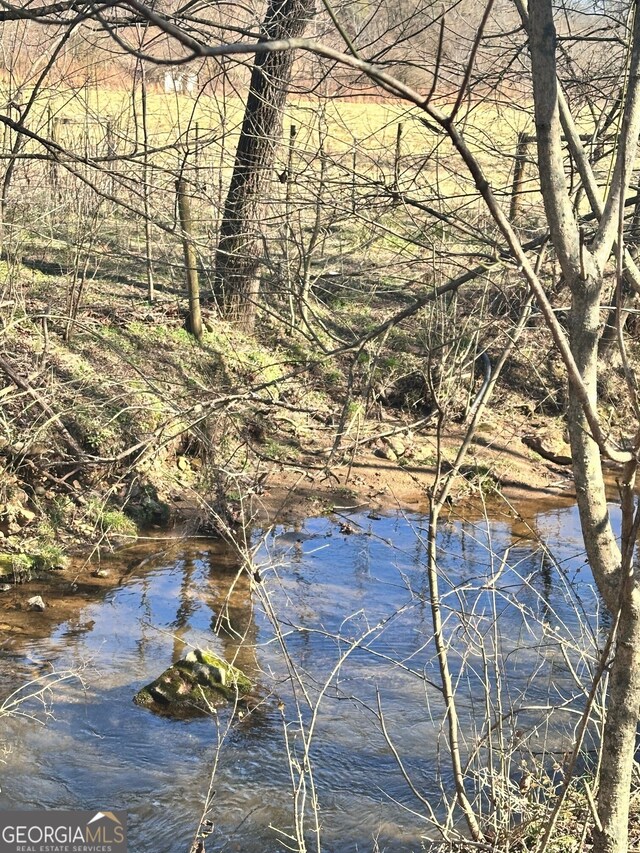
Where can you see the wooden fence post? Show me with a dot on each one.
(518, 174)
(396, 158)
(196, 152)
(52, 135)
(354, 166)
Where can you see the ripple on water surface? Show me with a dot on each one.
(359, 598)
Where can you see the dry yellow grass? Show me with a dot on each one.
(342, 123)
(93, 121)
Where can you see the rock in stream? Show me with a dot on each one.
(194, 686)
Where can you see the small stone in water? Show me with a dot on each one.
(36, 603)
(100, 573)
(5, 587)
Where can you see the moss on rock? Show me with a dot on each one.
(146, 507)
(18, 568)
(21, 568)
(194, 685)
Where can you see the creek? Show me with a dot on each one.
(522, 632)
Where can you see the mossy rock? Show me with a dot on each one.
(147, 509)
(194, 685)
(18, 568)
(48, 558)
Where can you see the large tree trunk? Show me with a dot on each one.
(600, 542)
(583, 268)
(618, 748)
(619, 745)
(239, 247)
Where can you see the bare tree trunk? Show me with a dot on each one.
(146, 189)
(599, 539)
(190, 260)
(238, 254)
(582, 268)
(619, 744)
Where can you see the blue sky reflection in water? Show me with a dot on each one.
(362, 596)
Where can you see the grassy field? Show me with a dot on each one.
(347, 169)
(94, 122)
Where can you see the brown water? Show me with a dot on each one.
(91, 747)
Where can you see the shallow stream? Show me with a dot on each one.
(352, 589)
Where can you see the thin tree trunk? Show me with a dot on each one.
(238, 254)
(190, 259)
(287, 176)
(146, 189)
(446, 679)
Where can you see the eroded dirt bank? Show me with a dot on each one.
(127, 424)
